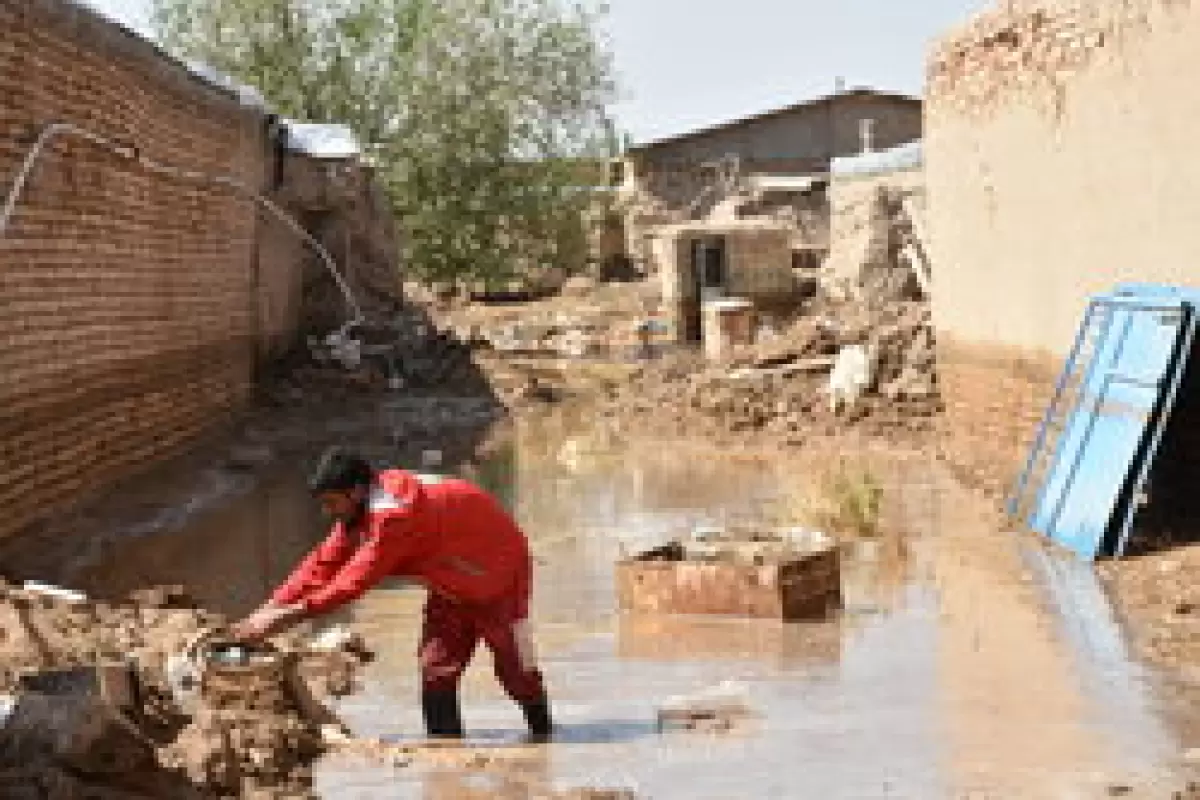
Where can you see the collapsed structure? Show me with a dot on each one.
(122, 700)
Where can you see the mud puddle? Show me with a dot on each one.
(967, 664)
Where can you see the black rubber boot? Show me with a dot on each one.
(537, 716)
(442, 715)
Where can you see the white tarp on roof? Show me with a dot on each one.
(906, 156)
(322, 141)
(247, 95)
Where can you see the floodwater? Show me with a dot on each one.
(968, 662)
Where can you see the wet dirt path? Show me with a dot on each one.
(968, 662)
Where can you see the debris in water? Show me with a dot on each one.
(719, 710)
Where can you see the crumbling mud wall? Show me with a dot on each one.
(867, 214)
(353, 221)
(126, 305)
(1058, 149)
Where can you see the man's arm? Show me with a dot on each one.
(392, 544)
(317, 568)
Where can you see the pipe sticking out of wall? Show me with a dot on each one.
(130, 153)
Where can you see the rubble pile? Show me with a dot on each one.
(406, 353)
(1026, 49)
(779, 385)
(95, 701)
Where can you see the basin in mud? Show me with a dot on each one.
(750, 578)
(229, 676)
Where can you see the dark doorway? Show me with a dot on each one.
(708, 275)
(708, 256)
(1170, 514)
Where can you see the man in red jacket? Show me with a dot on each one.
(442, 532)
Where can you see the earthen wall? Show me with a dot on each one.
(1058, 140)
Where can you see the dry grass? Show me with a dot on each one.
(844, 501)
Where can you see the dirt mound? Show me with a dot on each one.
(778, 385)
(100, 700)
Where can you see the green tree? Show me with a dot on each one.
(486, 119)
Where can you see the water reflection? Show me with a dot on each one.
(780, 646)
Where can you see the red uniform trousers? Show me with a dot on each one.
(451, 632)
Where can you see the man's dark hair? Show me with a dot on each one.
(340, 471)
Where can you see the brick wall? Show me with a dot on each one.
(126, 298)
(1058, 142)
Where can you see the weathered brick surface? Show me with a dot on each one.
(995, 398)
(127, 306)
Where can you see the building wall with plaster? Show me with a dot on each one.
(1057, 144)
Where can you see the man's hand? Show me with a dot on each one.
(267, 621)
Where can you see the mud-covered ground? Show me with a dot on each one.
(966, 639)
(1011, 672)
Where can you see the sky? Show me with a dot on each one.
(686, 64)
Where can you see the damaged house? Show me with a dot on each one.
(741, 214)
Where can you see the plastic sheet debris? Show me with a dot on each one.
(853, 373)
(71, 596)
(8, 704)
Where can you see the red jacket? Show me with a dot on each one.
(443, 532)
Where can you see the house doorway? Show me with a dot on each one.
(708, 278)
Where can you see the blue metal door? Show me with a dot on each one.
(1108, 436)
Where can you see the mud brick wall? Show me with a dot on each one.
(860, 220)
(759, 263)
(126, 298)
(995, 397)
(1059, 150)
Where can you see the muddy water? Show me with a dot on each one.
(967, 664)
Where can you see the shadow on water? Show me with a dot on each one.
(228, 521)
